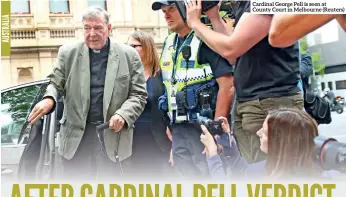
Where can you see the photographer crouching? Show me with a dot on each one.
(287, 137)
(266, 77)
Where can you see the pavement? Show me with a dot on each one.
(337, 128)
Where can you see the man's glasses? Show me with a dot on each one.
(135, 45)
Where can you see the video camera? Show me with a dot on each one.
(213, 126)
(206, 5)
(330, 153)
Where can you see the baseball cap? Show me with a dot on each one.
(157, 4)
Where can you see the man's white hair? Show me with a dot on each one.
(95, 12)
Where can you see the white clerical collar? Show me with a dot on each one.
(103, 48)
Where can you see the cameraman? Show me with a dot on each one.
(265, 77)
(287, 136)
(184, 81)
(286, 29)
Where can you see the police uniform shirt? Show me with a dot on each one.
(98, 67)
(218, 64)
(265, 71)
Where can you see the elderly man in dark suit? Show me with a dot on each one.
(101, 81)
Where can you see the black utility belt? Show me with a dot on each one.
(188, 102)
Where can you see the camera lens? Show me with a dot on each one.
(330, 153)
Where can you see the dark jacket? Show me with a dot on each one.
(159, 125)
(306, 69)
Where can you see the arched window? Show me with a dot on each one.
(25, 75)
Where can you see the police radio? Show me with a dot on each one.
(186, 50)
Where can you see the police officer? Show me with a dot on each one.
(202, 75)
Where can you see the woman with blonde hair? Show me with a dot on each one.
(151, 145)
(287, 137)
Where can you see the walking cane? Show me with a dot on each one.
(99, 130)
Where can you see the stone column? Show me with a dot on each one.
(41, 18)
(122, 20)
(41, 13)
(78, 7)
(45, 64)
(118, 15)
(111, 10)
(128, 14)
(162, 24)
(143, 15)
(6, 75)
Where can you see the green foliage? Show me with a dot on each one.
(316, 61)
(319, 67)
(304, 47)
(16, 103)
(19, 101)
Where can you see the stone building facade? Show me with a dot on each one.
(40, 27)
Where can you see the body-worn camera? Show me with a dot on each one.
(206, 5)
(330, 154)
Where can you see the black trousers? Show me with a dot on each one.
(89, 163)
(148, 161)
(187, 152)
